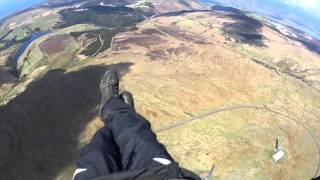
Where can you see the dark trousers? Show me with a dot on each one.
(126, 148)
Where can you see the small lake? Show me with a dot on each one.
(25, 44)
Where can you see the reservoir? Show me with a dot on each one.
(25, 44)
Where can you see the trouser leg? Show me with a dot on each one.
(100, 157)
(133, 135)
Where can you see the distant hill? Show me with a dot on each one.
(278, 10)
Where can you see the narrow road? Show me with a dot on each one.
(235, 107)
(98, 50)
(203, 115)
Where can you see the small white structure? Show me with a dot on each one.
(278, 151)
(277, 156)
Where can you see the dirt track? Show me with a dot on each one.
(235, 107)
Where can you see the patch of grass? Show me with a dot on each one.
(64, 58)
(35, 58)
(141, 4)
(78, 28)
(97, 46)
(44, 23)
(254, 53)
(31, 60)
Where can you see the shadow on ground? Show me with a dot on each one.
(40, 128)
(245, 29)
(6, 76)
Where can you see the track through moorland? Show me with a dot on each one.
(102, 43)
(255, 107)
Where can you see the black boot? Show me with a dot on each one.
(109, 87)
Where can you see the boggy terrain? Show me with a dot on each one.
(218, 86)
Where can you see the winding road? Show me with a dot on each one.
(98, 50)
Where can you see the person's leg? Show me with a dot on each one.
(133, 135)
(100, 157)
(138, 145)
